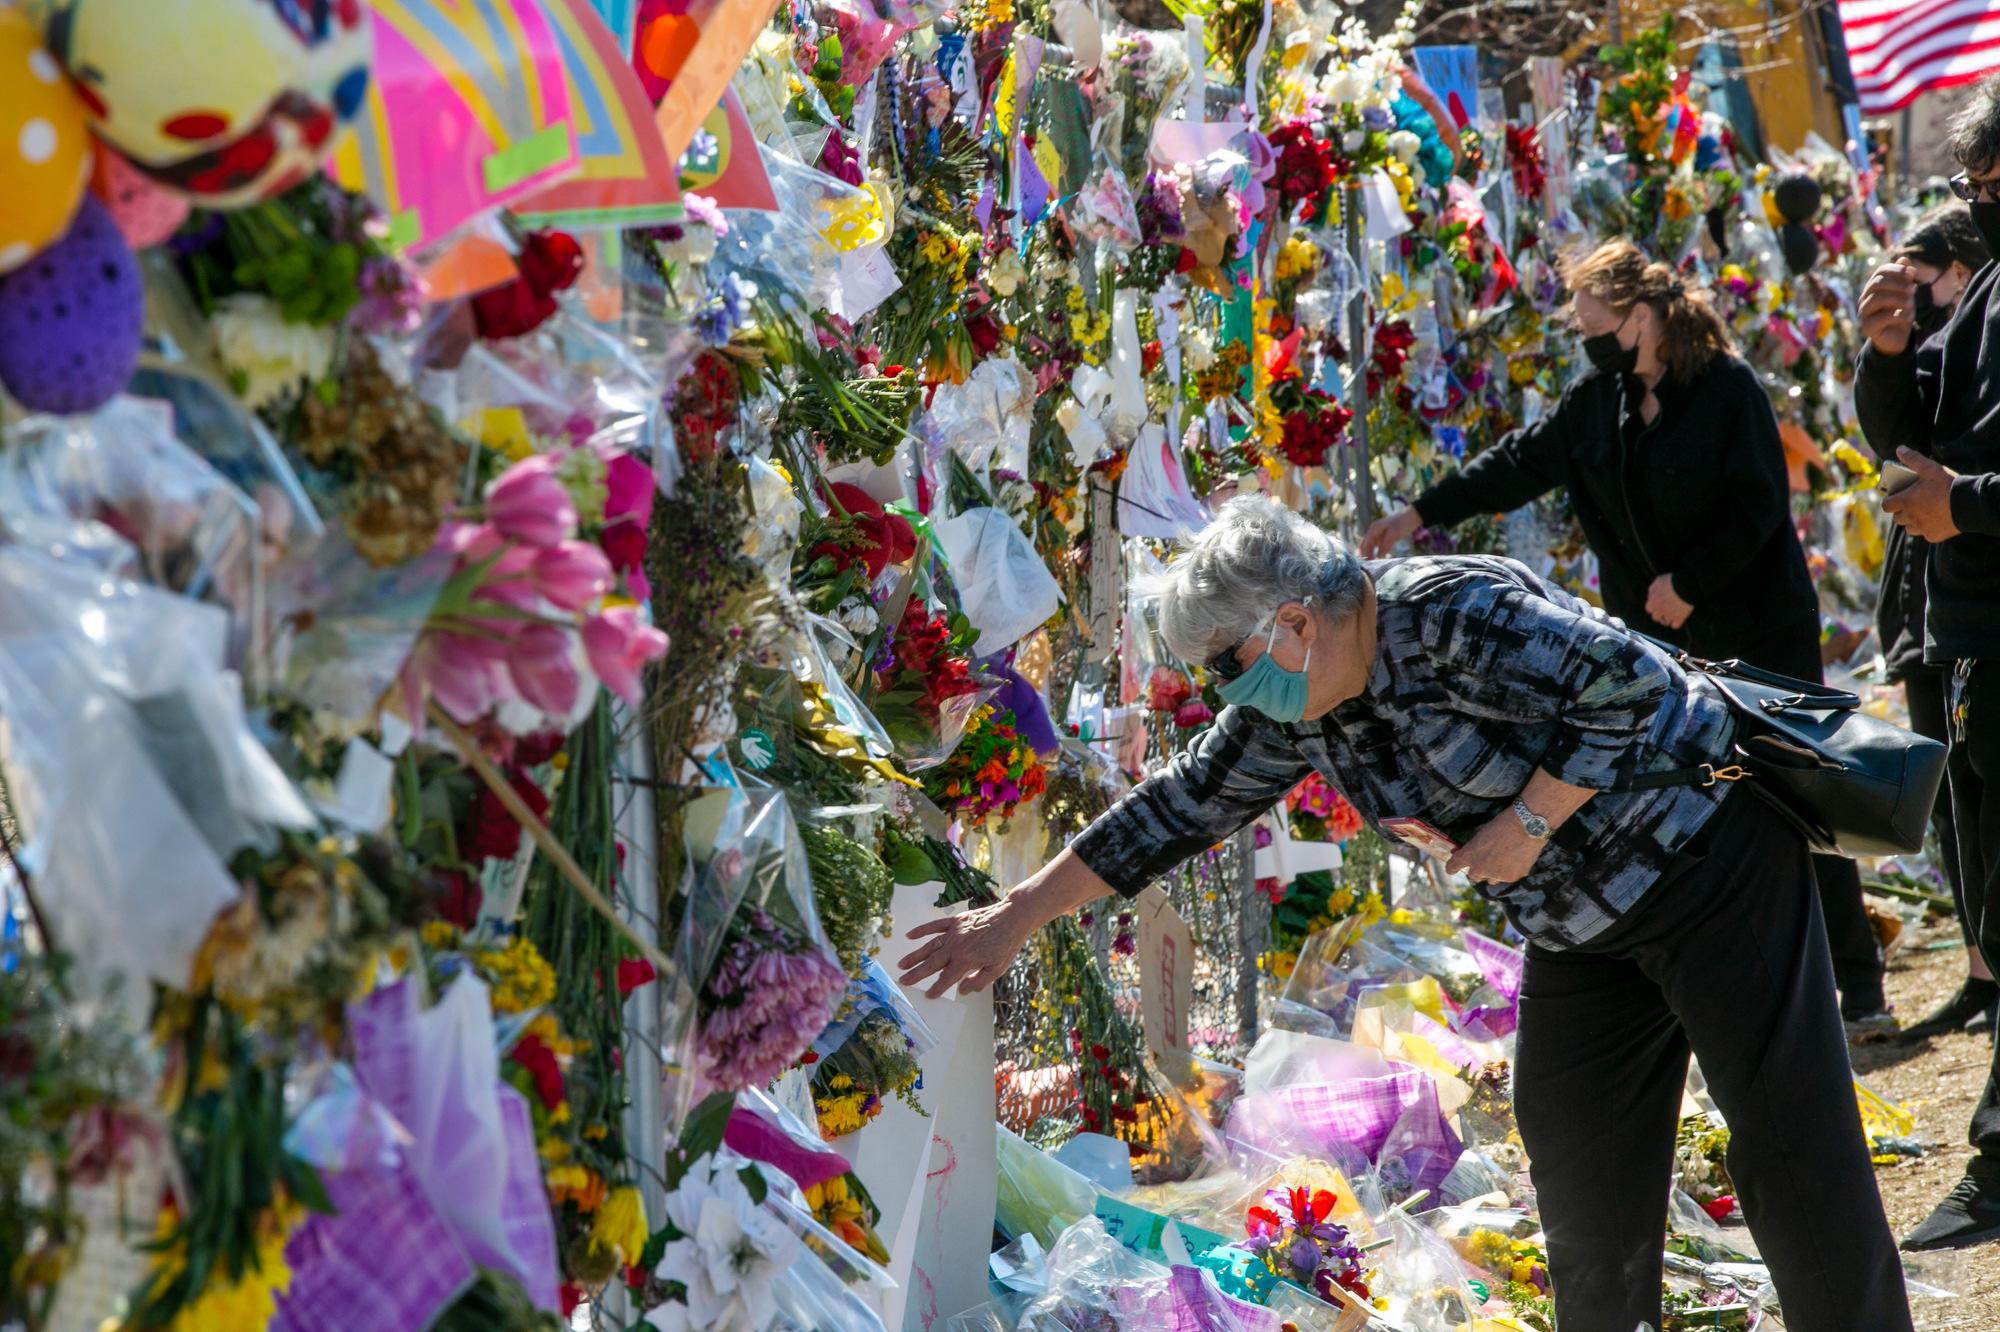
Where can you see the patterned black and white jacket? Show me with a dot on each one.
(1483, 674)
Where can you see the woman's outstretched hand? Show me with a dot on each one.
(970, 950)
(973, 949)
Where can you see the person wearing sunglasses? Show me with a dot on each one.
(1462, 703)
(1939, 254)
(1933, 404)
(1670, 454)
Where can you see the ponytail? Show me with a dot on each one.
(1691, 333)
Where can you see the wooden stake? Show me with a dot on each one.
(559, 856)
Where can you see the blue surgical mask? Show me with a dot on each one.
(1269, 688)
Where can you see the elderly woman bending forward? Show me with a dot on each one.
(1464, 695)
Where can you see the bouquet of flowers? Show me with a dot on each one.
(771, 992)
(1291, 1232)
(924, 677)
(991, 773)
(1320, 813)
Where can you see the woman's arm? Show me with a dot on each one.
(1502, 851)
(1524, 466)
(974, 948)
(1238, 769)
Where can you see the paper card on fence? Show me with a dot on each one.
(1166, 978)
(1154, 498)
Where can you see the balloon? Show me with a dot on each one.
(1797, 196)
(44, 143)
(71, 319)
(1800, 245)
(145, 211)
(226, 101)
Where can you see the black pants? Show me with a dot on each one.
(1726, 957)
(1924, 689)
(1973, 767)
(1857, 954)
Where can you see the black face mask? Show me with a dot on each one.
(1986, 216)
(1609, 356)
(1926, 313)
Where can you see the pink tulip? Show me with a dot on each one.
(618, 643)
(629, 489)
(529, 504)
(571, 574)
(471, 542)
(542, 669)
(509, 583)
(462, 672)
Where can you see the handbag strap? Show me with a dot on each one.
(1701, 774)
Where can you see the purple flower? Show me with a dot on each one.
(1378, 118)
(767, 998)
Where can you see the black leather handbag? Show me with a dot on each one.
(1851, 783)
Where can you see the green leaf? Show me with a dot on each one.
(705, 1126)
(754, 1185)
(912, 866)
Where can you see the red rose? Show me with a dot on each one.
(634, 972)
(549, 262)
(884, 538)
(490, 832)
(624, 545)
(459, 898)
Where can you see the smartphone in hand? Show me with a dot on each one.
(1895, 478)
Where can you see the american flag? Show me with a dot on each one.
(1901, 48)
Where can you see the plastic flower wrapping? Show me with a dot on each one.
(537, 539)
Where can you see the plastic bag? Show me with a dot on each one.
(1097, 1284)
(1038, 1195)
(1007, 591)
(130, 763)
(117, 489)
(472, 1139)
(345, 627)
(743, 854)
(985, 420)
(1393, 1124)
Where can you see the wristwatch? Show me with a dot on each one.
(1537, 826)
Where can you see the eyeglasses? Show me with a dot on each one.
(1224, 665)
(1976, 191)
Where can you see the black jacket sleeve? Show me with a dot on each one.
(1890, 403)
(1753, 494)
(1525, 465)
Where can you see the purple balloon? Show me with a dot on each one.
(72, 318)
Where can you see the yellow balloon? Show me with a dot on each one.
(44, 144)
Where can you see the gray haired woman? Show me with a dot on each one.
(1461, 702)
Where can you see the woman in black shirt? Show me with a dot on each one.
(1676, 473)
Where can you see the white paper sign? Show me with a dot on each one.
(1166, 978)
(1154, 498)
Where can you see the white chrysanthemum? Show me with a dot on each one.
(1405, 145)
(268, 357)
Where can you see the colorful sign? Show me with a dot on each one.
(468, 110)
(625, 178)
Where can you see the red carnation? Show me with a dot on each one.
(540, 1061)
